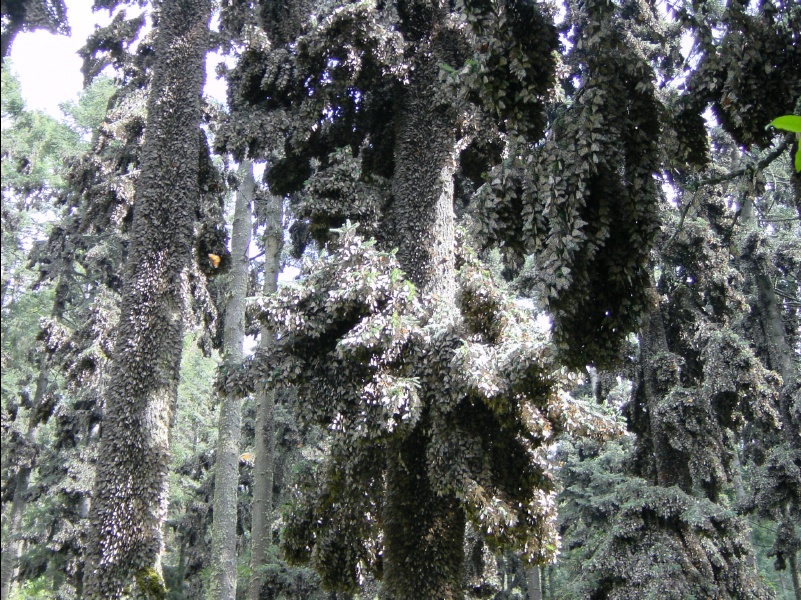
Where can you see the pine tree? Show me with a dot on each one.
(364, 97)
(226, 476)
(36, 153)
(129, 500)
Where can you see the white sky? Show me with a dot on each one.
(49, 68)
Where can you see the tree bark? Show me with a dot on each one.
(226, 475)
(130, 492)
(264, 468)
(656, 459)
(424, 531)
(534, 583)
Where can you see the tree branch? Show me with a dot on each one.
(752, 167)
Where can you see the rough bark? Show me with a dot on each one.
(130, 492)
(779, 354)
(264, 467)
(421, 214)
(424, 531)
(12, 543)
(657, 460)
(226, 475)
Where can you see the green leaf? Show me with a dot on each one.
(788, 123)
(797, 162)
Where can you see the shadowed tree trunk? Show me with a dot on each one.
(424, 531)
(264, 467)
(226, 476)
(130, 492)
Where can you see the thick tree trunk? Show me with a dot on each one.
(12, 544)
(656, 459)
(421, 216)
(424, 531)
(226, 475)
(130, 492)
(778, 351)
(261, 512)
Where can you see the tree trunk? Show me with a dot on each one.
(656, 459)
(534, 583)
(741, 497)
(130, 492)
(261, 512)
(793, 564)
(226, 475)
(424, 531)
(778, 351)
(12, 544)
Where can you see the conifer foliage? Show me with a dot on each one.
(452, 169)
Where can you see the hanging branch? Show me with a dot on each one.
(749, 168)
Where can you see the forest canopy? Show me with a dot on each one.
(514, 310)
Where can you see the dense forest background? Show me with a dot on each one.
(513, 312)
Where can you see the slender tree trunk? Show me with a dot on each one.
(740, 496)
(12, 544)
(226, 475)
(130, 492)
(424, 531)
(793, 564)
(784, 586)
(534, 583)
(264, 467)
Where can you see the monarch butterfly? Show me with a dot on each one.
(215, 260)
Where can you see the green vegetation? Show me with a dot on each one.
(544, 338)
